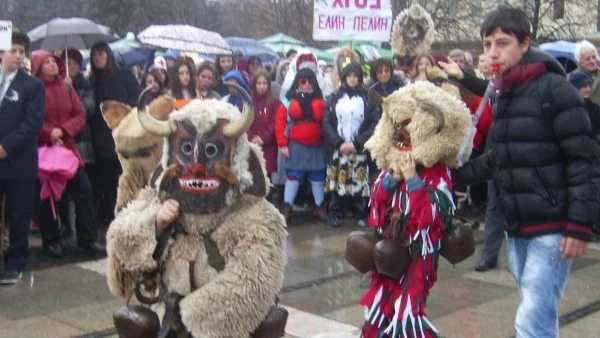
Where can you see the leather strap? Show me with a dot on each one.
(172, 318)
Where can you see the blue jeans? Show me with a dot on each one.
(542, 274)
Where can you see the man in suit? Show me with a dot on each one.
(21, 118)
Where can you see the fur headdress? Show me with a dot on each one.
(413, 32)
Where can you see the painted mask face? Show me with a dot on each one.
(202, 175)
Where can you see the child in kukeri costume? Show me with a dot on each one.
(415, 143)
(201, 240)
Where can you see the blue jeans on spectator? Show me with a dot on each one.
(542, 274)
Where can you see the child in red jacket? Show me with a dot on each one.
(300, 139)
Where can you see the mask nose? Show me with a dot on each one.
(197, 169)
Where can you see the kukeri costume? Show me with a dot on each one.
(220, 266)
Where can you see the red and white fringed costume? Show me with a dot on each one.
(396, 308)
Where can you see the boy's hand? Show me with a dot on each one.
(408, 165)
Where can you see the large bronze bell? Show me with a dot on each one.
(136, 321)
(359, 250)
(460, 247)
(391, 257)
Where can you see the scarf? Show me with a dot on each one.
(522, 74)
(305, 100)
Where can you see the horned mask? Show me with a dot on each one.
(207, 159)
(423, 119)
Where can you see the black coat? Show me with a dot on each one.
(331, 137)
(120, 86)
(21, 119)
(543, 157)
(85, 92)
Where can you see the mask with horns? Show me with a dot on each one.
(423, 119)
(207, 158)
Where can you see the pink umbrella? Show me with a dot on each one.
(57, 165)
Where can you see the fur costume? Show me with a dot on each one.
(139, 151)
(430, 123)
(219, 179)
(413, 33)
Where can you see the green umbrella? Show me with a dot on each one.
(368, 50)
(281, 43)
(281, 38)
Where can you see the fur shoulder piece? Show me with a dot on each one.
(130, 242)
(413, 32)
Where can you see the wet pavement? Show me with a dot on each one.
(69, 297)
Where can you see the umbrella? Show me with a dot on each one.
(57, 165)
(369, 51)
(560, 48)
(184, 38)
(249, 47)
(127, 52)
(281, 38)
(58, 34)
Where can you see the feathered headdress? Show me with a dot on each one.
(413, 32)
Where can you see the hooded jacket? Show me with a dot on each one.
(237, 100)
(276, 85)
(543, 158)
(63, 108)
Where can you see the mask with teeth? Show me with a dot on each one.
(201, 166)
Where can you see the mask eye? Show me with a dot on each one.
(187, 148)
(211, 150)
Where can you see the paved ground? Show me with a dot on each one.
(69, 297)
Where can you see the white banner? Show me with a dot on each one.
(5, 35)
(359, 20)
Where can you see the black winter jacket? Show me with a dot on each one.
(85, 92)
(543, 158)
(121, 86)
(333, 140)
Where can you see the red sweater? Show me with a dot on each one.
(485, 121)
(306, 133)
(63, 109)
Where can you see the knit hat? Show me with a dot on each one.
(579, 79)
(352, 67)
(159, 63)
(307, 60)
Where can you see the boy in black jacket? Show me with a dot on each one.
(544, 163)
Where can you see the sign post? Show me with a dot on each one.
(358, 20)
(5, 35)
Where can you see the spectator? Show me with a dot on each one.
(160, 66)
(469, 59)
(183, 85)
(83, 140)
(254, 64)
(152, 79)
(205, 80)
(223, 64)
(21, 119)
(262, 131)
(586, 55)
(420, 66)
(234, 96)
(387, 82)
(348, 123)
(549, 198)
(110, 82)
(458, 56)
(291, 54)
(301, 143)
(281, 72)
(64, 119)
(484, 65)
